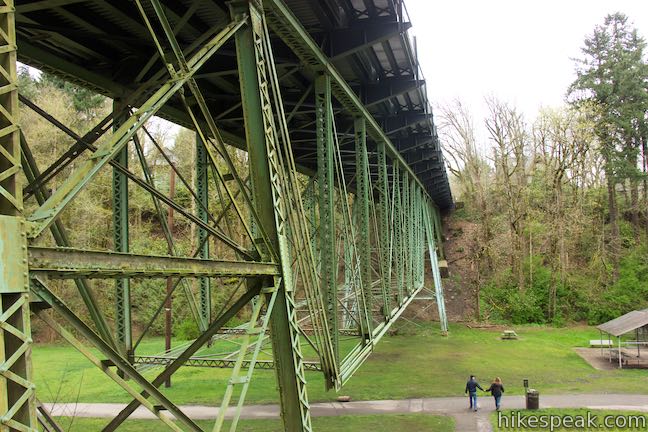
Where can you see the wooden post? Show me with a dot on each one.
(620, 365)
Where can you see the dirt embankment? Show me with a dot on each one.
(459, 287)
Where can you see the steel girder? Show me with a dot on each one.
(221, 363)
(258, 85)
(325, 181)
(202, 190)
(17, 396)
(123, 308)
(67, 263)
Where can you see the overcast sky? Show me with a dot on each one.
(518, 50)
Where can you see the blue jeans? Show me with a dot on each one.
(498, 399)
(473, 401)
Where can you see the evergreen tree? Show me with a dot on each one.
(613, 74)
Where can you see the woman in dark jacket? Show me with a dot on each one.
(496, 389)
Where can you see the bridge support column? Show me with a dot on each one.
(434, 263)
(120, 241)
(385, 229)
(254, 64)
(364, 233)
(202, 191)
(399, 224)
(17, 400)
(325, 181)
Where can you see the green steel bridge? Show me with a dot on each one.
(340, 204)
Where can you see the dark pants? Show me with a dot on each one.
(498, 399)
(473, 401)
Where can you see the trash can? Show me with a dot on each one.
(532, 399)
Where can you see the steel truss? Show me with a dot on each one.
(342, 253)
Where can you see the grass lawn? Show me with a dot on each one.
(416, 362)
(382, 423)
(633, 421)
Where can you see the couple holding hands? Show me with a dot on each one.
(496, 389)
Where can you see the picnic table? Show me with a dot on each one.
(509, 335)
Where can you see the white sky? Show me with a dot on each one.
(517, 50)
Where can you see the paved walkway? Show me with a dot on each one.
(456, 407)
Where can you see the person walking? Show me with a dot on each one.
(471, 389)
(496, 389)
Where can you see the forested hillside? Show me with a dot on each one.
(559, 202)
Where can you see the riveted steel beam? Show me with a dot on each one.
(65, 263)
(17, 396)
(325, 182)
(258, 83)
(123, 365)
(364, 233)
(123, 319)
(202, 190)
(399, 122)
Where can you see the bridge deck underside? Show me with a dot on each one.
(103, 45)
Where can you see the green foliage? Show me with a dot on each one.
(579, 298)
(502, 300)
(84, 100)
(186, 329)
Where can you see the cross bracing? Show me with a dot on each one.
(328, 231)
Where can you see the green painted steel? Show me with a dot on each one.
(59, 233)
(67, 263)
(254, 65)
(434, 263)
(384, 234)
(252, 330)
(202, 204)
(17, 398)
(362, 205)
(174, 365)
(123, 318)
(327, 224)
(171, 248)
(118, 360)
(398, 225)
(72, 340)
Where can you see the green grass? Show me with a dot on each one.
(630, 417)
(382, 423)
(417, 362)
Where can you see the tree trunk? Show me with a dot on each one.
(644, 165)
(634, 201)
(614, 222)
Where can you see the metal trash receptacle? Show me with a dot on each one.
(532, 399)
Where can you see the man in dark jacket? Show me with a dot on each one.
(471, 389)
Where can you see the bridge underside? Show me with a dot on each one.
(318, 186)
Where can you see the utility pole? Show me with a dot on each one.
(168, 318)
